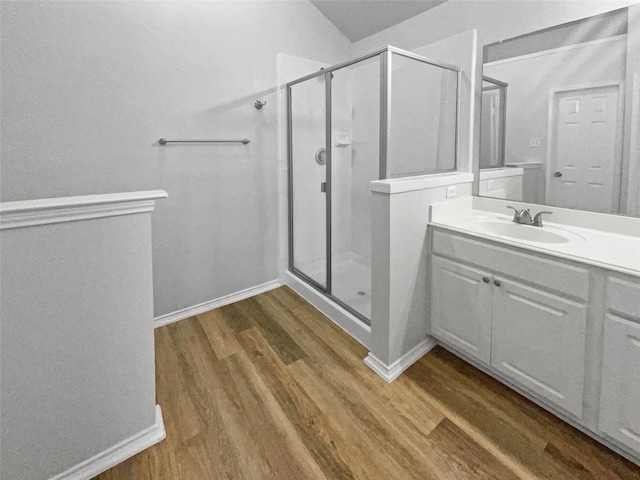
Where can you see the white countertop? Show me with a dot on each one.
(613, 251)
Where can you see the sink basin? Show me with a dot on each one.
(525, 232)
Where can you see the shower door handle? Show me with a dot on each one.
(323, 187)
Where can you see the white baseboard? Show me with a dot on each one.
(216, 303)
(118, 453)
(393, 371)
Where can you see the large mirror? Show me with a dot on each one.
(560, 122)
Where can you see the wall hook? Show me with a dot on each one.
(259, 104)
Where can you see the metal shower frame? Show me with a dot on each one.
(385, 55)
(502, 88)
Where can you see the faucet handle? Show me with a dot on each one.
(516, 210)
(517, 214)
(537, 220)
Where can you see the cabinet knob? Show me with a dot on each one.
(497, 283)
(485, 279)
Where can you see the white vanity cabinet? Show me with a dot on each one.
(619, 415)
(461, 307)
(538, 340)
(563, 333)
(512, 311)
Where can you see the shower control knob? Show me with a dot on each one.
(485, 279)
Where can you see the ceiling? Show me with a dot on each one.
(358, 19)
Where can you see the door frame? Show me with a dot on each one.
(551, 121)
(632, 167)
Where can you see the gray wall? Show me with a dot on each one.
(89, 87)
(77, 342)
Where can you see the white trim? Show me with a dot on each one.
(183, 313)
(633, 188)
(391, 372)
(557, 50)
(30, 213)
(420, 182)
(585, 86)
(118, 453)
(488, 174)
(473, 75)
(338, 315)
(525, 165)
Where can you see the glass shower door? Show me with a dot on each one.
(387, 114)
(355, 130)
(307, 188)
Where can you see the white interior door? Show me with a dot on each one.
(584, 155)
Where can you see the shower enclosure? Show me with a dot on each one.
(384, 115)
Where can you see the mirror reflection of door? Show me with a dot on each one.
(571, 115)
(584, 155)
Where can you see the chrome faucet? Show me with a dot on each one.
(523, 217)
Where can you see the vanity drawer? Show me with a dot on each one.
(623, 296)
(562, 277)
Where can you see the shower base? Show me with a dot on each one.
(352, 285)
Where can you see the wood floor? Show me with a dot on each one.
(268, 388)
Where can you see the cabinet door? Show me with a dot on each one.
(461, 307)
(539, 342)
(620, 393)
